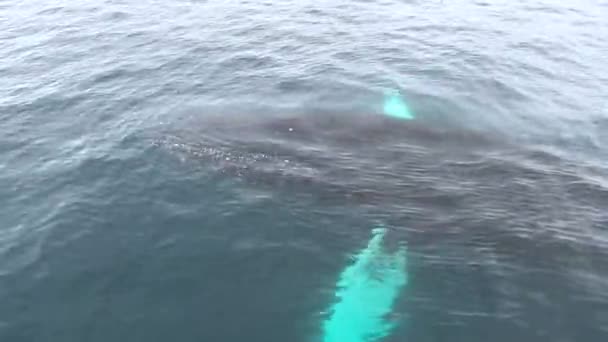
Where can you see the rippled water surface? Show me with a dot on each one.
(204, 170)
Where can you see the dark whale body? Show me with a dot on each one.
(477, 205)
(359, 158)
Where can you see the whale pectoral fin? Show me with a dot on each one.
(395, 107)
(366, 292)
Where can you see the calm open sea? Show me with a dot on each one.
(203, 170)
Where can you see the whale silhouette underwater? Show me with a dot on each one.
(386, 161)
(334, 156)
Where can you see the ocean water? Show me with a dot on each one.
(204, 170)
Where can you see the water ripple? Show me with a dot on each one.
(154, 153)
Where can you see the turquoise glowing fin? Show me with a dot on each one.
(395, 107)
(366, 292)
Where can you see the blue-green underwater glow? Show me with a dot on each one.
(395, 106)
(366, 292)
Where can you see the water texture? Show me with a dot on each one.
(205, 170)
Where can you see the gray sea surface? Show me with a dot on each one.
(204, 170)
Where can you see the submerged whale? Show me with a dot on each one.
(335, 156)
(449, 188)
(359, 159)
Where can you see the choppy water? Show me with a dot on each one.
(202, 170)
